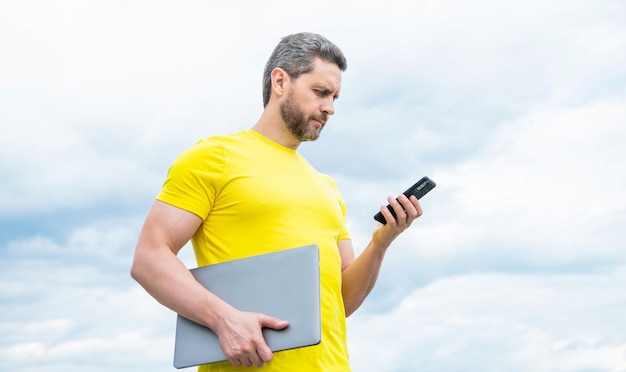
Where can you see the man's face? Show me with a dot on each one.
(310, 101)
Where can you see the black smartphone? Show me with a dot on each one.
(419, 189)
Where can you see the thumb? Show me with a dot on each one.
(273, 323)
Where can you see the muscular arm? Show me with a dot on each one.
(157, 268)
(359, 274)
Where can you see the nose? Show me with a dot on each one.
(328, 106)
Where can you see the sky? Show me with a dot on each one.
(517, 110)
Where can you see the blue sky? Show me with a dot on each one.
(516, 109)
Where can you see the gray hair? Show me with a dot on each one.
(296, 54)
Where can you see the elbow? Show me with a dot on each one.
(137, 268)
(134, 271)
(139, 272)
(349, 312)
(350, 307)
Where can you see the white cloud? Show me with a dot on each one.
(553, 157)
(74, 305)
(111, 327)
(114, 91)
(551, 177)
(516, 109)
(547, 190)
(496, 322)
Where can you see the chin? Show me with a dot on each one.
(313, 135)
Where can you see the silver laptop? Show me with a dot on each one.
(283, 284)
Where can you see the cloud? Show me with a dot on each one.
(495, 322)
(548, 180)
(74, 305)
(105, 329)
(544, 195)
(515, 109)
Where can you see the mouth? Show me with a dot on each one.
(320, 120)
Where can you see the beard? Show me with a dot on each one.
(297, 123)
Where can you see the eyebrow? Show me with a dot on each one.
(325, 90)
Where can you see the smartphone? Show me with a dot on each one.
(419, 189)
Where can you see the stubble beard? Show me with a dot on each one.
(297, 123)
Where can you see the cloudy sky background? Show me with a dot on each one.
(516, 109)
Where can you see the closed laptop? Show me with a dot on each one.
(284, 284)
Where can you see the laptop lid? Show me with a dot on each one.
(283, 284)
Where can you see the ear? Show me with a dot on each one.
(280, 81)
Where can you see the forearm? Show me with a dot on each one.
(359, 275)
(167, 279)
(240, 333)
(359, 278)
(157, 268)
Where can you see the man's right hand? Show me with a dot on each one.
(241, 337)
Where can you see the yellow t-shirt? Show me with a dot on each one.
(256, 196)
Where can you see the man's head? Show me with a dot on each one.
(306, 103)
(296, 55)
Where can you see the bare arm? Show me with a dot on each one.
(157, 268)
(359, 274)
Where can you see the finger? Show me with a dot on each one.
(246, 362)
(417, 205)
(414, 210)
(271, 322)
(256, 360)
(398, 207)
(250, 358)
(410, 206)
(264, 353)
(390, 218)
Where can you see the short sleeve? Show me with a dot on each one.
(194, 179)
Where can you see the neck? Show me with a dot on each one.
(273, 127)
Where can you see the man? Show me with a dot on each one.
(251, 193)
